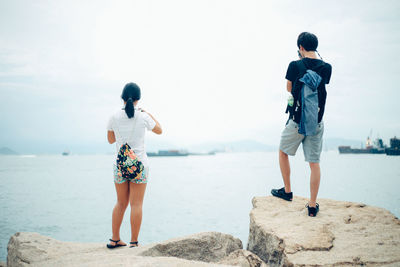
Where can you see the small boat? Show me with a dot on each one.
(65, 153)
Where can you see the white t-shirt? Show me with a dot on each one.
(131, 131)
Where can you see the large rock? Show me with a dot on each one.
(208, 247)
(33, 249)
(342, 234)
(243, 258)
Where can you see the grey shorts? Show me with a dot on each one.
(312, 145)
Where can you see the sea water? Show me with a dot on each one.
(70, 198)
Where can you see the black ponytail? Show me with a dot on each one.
(129, 109)
(130, 94)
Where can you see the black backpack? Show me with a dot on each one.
(295, 110)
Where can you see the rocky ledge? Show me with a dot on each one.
(203, 249)
(281, 234)
(342, 234)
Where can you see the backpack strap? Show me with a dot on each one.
(135, 119)
(293, 110)
(301, 66)
(123, 141)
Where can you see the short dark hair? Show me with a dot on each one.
(308, 41)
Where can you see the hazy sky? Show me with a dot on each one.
(209, 70)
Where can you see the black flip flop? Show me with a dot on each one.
(116, 244)
(312, 211)
(134, 243)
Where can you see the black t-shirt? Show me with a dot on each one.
(322, 68)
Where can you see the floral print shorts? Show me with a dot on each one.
(120, 180)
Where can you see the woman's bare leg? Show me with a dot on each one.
(136, 195)
(119, 210)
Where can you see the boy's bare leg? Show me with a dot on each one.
(315, 178)
(285, 170)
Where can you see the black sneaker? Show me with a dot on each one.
(312, 212)
(282, 194)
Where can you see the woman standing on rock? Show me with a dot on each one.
(126, 128)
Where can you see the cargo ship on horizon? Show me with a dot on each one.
(376, 147)
(168, 153)
(394, 149)
(177, 153)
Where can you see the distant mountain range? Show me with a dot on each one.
(7, 151)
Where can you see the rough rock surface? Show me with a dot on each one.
(342, 234)
(243, 258)
(208, 247)
(33, 249)
(3, 264)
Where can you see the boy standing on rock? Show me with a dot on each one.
(306, 79)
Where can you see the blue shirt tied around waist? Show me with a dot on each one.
(309, 103)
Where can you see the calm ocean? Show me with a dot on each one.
(71, 198)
